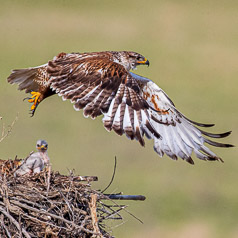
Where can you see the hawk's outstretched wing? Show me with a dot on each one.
(131, 104)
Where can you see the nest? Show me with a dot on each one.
(50, 205)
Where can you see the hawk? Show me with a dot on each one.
(36, 162)
(101, 83)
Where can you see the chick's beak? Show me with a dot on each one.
(43, 147)
(145, 61)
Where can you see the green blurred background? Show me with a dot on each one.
(192, 47)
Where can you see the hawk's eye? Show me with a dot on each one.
(38, 145)
(140, 59)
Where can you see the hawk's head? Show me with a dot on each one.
(129, 59)
(42, 145)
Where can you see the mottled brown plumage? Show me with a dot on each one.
(101, 83)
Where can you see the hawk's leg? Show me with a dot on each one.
(35, 100)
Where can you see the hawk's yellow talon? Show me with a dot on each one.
(33, 107)
(35, 100)
(31, 100)
(35, 94)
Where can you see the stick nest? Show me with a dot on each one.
(50, 205)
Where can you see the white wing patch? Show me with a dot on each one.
(179, 137)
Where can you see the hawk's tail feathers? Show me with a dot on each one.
(24, 78)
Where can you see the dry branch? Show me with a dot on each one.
(5, 132)
(126, 197)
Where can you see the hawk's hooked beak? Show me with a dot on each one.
(145, 61)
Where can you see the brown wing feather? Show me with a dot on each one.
(98, 85)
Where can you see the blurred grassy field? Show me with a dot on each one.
(193, 49)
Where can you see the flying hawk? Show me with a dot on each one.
(101, 83)
(36, 162)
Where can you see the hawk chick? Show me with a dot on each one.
(36, 162)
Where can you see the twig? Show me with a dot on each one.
(68, 205)
(6, 133)
(14, 222)
(114, 212)
(126, 197)
(19, 222)
(129, 213)
(48, 178)
(44, 222)
(5, 228)
(93, 208)
(87, 178)
(52, 215)
(113, 175)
